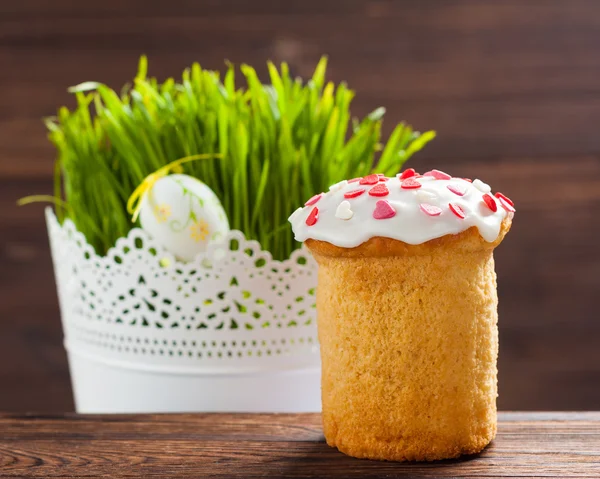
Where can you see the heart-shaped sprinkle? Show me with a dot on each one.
(457, 189)
(490, 202)
(467, 179)
(343, 211)
(383, 178)
(505, 198)
(313, 200)
(505, 204)
(457, 210)
(313, 217)
(338, 186)
(425, 196)
(438, 175)
(354, 193)
(383, 210)
(481, 186)
(410, 184)
(369, 180)
(430, 209)
(407, 174)
(379, 190)
(354, 180)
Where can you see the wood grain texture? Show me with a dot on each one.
(512, 88)
(274, 445)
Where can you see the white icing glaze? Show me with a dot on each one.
(411, 222)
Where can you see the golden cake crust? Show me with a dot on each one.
(409, 344)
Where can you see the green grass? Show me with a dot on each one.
(279, 144)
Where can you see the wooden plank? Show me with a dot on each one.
(269, 445)
(538, 129)
(428, 63)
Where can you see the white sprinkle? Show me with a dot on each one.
(425, 196)
(295, 214)
(481, 186)
(338, 186)
(343, 211)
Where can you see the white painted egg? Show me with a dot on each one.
(183, 215)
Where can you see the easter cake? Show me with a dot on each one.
(407, 312)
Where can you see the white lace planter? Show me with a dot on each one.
(233, 330)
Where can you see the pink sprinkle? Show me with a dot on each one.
(383, 179)
(313, 200)
(505, 204)
(369, 180)
(457, 210)
(490, 202)
(383, 210)
(408, 174)
(354, 180)
(379, 190)
(438, 175)
(505, 198)
(354, 193)
(430, 209)
(467, 179)
(457, 189)
(410, 184)
(313, 217)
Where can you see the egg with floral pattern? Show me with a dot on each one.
(183, 215)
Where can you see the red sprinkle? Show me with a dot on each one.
(457, 210)
(313, 217)
(354, 180)
(354, 193)
(383, 210)
(467, 179)
(410, 184)
(379, 190)
(490, 202)
(408, 174)
(457, 189)
(369, 180)
(438, 175)
(430, 209)
(505, 198)
(383, 178)
(505, 204)
(313, 200)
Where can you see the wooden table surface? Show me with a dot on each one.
(274, 445)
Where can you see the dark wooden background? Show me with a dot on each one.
(513, 88)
